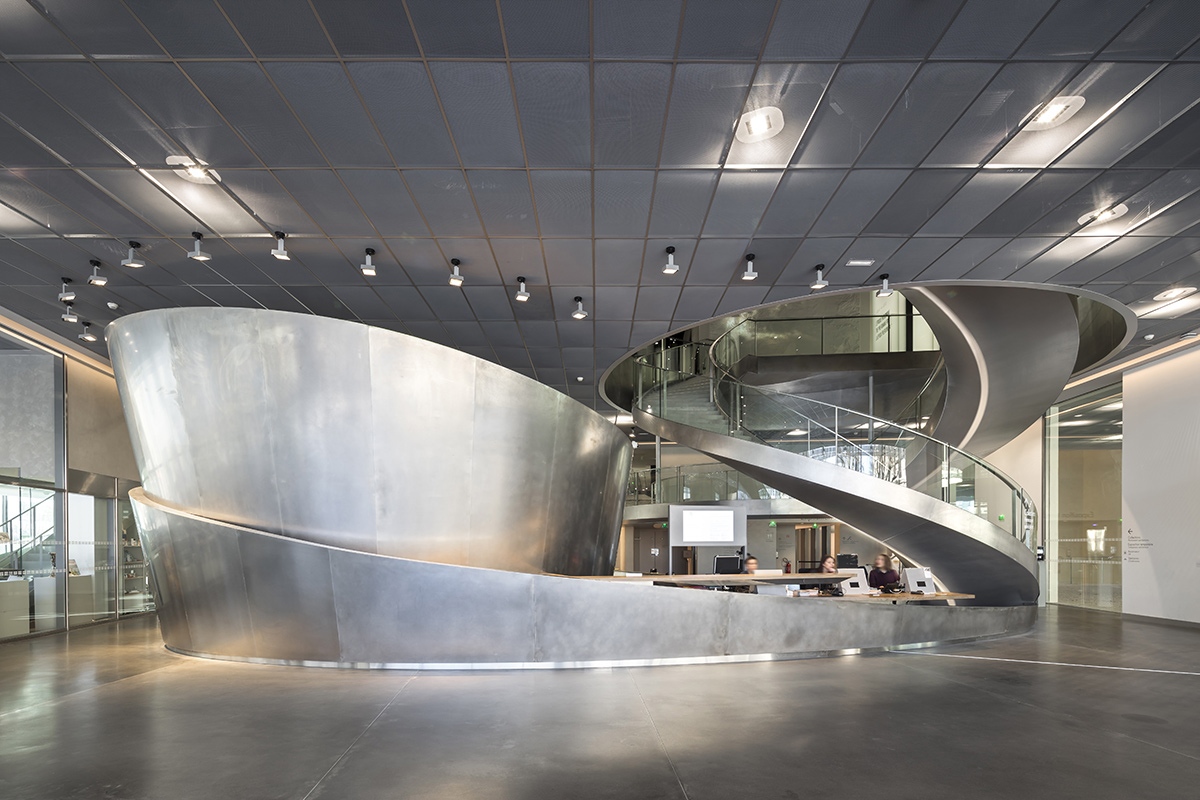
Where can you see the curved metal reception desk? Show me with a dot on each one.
(226, 591)
(322, 492)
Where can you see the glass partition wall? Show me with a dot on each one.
(62, 561)
(1083, 501)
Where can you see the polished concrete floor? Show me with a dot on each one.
(106, 712)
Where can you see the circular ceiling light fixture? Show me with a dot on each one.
(759, 125)
(1104, 214)
(1174, 293)
(1056, 112)
(192, 170)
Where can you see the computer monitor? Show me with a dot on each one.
(727, 565)
(847, 561)
(857, 584)
(919, 579)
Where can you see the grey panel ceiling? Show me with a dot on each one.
(570, 143)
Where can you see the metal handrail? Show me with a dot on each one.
(1024, 500)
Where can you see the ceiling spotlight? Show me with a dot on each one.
(456, 278)
(96, 279)
(1104, 214)
(522, 295)
(193, 171)
(579, 313)
(112, 306)
(1190, 335)
(368, 267)
(87, 334)
(749, 274)
(1056, 112)
(70, 316)
(1175, 293)
(197, 254)
(133, 261)
(279, 252)
(820, 282)
(670, 268)
(860, 262)
(66, 295)
(759, 125)
(633, 444)
(884, 290)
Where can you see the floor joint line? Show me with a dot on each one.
(658, 735)
(350, 747)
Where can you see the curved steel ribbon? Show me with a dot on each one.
(362, 438)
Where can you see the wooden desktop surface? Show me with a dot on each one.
(905, 597)
(731, 580)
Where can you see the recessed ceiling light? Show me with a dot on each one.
(112, 306)
(1148, 336)
(456, 278)
(279, 252)
(670, 268)
(197, 254)
(749, 274)
(579, 379)
(759, 125)
(1104, 214)
(1055, 112)
(192, 171)
(860, 262)
(796, 432)
(522, 295)
(1175, 293)
(133, 261)
(96, 279)
(368, 266)
(1190, 335)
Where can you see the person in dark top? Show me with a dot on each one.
(749, 567)
(828, 565)
(883, 574)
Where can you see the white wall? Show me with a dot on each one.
(1161, 489)
(1022, 460)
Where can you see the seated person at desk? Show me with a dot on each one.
(883, 574)
(749, 567)
(828, 565)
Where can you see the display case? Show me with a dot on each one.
(134, 584)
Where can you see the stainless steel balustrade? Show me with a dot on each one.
(816, 429)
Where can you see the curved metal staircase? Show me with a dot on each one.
(888, 479)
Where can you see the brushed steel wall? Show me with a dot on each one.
(365, 439)
(231, 592)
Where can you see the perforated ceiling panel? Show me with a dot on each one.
(570, 142)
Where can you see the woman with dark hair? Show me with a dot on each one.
(884, 573)
(828, 564)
